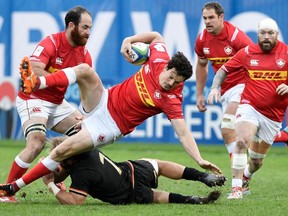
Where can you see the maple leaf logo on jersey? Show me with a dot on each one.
(146, 69)
(157, 94)
(101, 138)
(280, 63)
(228, 50)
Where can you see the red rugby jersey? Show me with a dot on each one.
(141, 96)
(218, 49)
(266, 71)
(56, 52)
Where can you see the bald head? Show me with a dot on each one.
(268, 24)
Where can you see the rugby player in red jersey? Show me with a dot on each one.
(263, 102)
(217, 43)
(115, 112)
(46, 108)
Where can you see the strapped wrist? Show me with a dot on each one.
(53, 187)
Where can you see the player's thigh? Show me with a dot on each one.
(78, 143)
(231, 108)
(62, 116)
(247, 122)
(91, 97)
(68, 122)
(245, 131)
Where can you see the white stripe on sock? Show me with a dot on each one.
(21, 163)
(50, 164)
(71, 76)
(20, 183)
(42, 82)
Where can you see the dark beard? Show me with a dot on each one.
(77, 39)
(267, 49)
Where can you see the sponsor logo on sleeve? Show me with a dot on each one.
(38, 51)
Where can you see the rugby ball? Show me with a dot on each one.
(140, 53)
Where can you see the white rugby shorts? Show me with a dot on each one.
(55, 113)
(267, 128)
(100, 124)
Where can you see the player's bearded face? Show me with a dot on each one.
(267, 41)
(78, 38)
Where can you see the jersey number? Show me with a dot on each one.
(103, 158)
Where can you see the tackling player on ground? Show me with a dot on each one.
(134, 181)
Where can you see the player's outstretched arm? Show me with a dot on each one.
(188, 142)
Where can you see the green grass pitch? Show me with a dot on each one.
(269, 185)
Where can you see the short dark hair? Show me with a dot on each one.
(181, 64)
(214, 5)
(74, 15)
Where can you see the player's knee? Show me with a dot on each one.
(241, 143)
(82, 69)
(35, 135)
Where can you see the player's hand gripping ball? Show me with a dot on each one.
(140, 53)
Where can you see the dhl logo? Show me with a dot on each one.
(267, 75)
(220, 61)
(142, 89)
